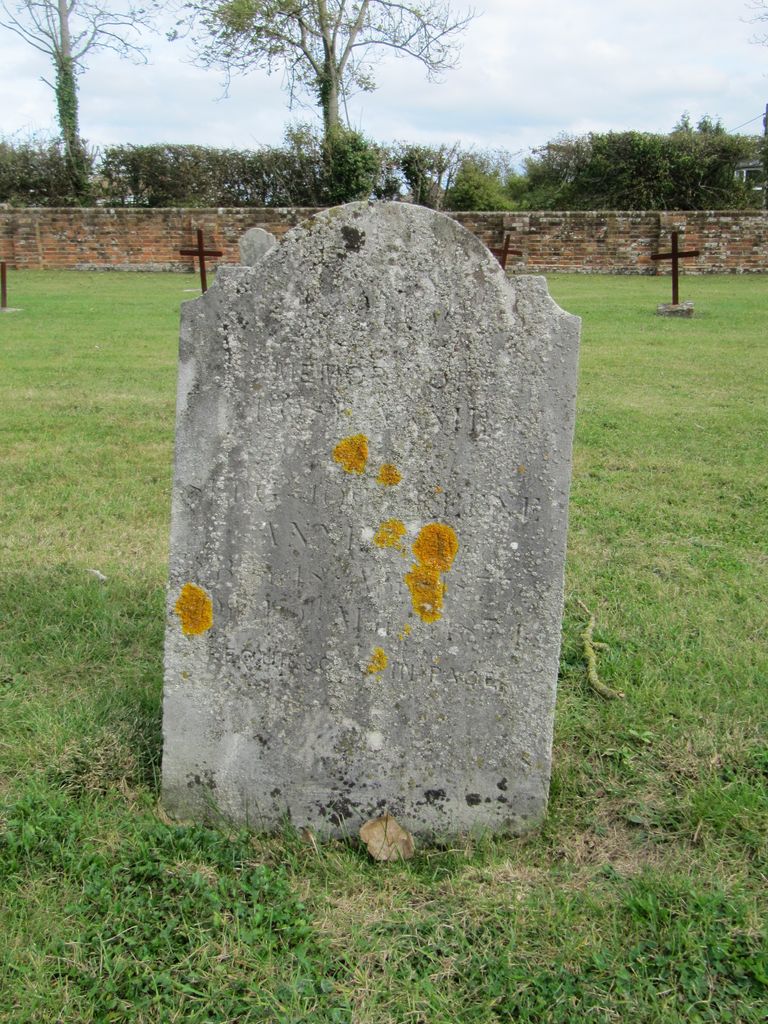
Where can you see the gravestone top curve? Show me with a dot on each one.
(371, 479)
(254, 244)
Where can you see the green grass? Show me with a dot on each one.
(643, 896)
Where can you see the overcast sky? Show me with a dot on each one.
(530, 69)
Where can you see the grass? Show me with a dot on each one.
(642, 896)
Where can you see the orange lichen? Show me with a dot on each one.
(378, 662)
(436, 546)
(435, 549)
(389, 475)
(426, 590)
(390, 534)
(352, 453)
(195, 609)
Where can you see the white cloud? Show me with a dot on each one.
(530, 69)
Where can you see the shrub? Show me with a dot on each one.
(351, 167)
(477, 187)
(36, 173)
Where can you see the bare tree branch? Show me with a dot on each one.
(93, 26)
(66, 31)
(761, 9)
(325, 48)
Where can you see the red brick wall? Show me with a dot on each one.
(733, 241)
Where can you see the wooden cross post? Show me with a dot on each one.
(3, 286)
(675, 255)
(201, 252)
(502, 253)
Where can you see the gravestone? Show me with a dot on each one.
(373, 450)
(254, 244)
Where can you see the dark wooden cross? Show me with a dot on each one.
(3, 286)
(675, 255)
(201, 252)
(501, 253)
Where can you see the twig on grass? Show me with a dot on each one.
(591, 647)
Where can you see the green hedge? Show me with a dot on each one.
(35, 173)
(688, 169)
(305, 171)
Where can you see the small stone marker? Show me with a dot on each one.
(373, 452)
(675, 308)
(254, 244)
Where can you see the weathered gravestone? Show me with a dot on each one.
(254, 244)
(369, 516)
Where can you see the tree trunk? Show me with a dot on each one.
(67, 109)
(331, 108)
(328, 88)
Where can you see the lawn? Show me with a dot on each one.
(642, 897)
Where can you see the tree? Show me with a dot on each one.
(429, 171)
(481, 182)
(66, 31)
(761, 7)
(689, 169)
(325, 48)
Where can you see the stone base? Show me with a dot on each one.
(675, 309)
(10, 309)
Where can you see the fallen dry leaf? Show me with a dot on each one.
(386, 840)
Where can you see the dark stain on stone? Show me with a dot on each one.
(206, 780)
(434, 796)
(502, 785)
(339, 809)
(275, 792)
(501, 799)
(473, 799)
(354, 239)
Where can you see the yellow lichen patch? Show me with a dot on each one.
(195, 610)
(436, 546)
(435, 549)
(378, 662)
(405, 632)
(351, 453)
(390, 534)
(389, 475)
(426, 590)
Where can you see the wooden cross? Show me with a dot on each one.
(3, 286)
(502, 253)
(201, 252)
(676, 255)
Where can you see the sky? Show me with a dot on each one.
(529, 70)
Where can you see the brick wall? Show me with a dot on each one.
(734, 241)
